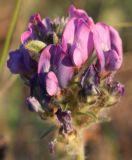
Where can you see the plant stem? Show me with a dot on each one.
(76, 147)
(81, 153)
(9, 34)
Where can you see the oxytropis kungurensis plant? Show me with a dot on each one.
(69, 65)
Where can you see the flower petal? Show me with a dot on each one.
(34, 105)
(83, 39)
(62, 66)
(108, 46)
(44, 61)
(19, 61)
(25, 36)
(101, 39)
(112, 60)
(116, 44)
(77, 57)
(79, 13)
(68, 34)
(73, 12)
(48, 24)
(52, 85)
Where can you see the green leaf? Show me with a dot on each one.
(35, 46)
(91, 114)
(47, 131)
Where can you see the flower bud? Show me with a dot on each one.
(64, 117)
(116, 88)
(34, 105)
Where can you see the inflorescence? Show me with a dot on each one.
(69, 65)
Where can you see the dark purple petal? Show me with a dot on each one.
(19, 61)
(36, 30)
(91, 89)
(90, 81)
(53, 58)
(48, 24)
(62, 65)
(38, 89)
(91, 75)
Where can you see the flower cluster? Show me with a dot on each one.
(69, 64)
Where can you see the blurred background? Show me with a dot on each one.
(20, 130)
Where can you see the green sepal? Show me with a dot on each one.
(35, 46)
(55, 38)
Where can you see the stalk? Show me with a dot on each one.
(9, 34)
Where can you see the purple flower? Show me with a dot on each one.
(108, 46)
(38, 29)
(90, 80)
(77, 38)
(54, 59)
(45, 74)
(64, 117)
(116, 88)
(62, 65)
(38, 90)
(20, 62)
(91, 75)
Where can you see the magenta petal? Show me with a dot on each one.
(44, 61)
(68, 34)
(83, 40)
(116, 43)
(101, 39)
(79, 13)
(77, 57)
(90, 44)
(112, 60)
(25, 36)
(52, 85)
(104, 36)
(73, 12)
(108, 44)
(35, 17)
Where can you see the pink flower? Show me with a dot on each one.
(108, 46)
(77, 37)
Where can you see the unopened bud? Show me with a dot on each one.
(34, 104)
